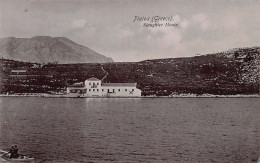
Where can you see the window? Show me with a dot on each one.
(89, 90)
(125, 89)
(133, 90)
(118, 90)
(102, 90)
(97, 90)
(93, 90)
(97, 83)
(89, 83)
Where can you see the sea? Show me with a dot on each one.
(181, 130)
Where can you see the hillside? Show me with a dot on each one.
(45, 49)
(227, 73)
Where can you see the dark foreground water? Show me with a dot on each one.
(132, 130)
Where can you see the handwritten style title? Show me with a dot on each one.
(156, 21)
(153, 19)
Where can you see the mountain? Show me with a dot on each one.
(236, 71)
(45, 49)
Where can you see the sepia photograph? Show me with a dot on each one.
(129, 81)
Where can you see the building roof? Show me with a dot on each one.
(93, 79)
(119, 84)
(77, 85)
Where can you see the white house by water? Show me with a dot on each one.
(93, 87)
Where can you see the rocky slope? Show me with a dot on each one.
(236, 71)
(45, 49)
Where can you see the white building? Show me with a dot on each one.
(93, 87)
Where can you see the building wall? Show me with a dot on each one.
(75, 91)
(121, 91)
(92, 84)
(93, 87)
(108, 91)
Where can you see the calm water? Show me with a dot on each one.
(132, 130)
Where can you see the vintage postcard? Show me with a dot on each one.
(129, 81)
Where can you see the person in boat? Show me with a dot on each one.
(16, 154)
(12, 151)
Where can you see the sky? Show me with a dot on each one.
(108, 26)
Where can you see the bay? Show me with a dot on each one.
(132, 129)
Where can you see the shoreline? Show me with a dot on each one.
(45, 95)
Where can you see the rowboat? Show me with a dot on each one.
(22, 158)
